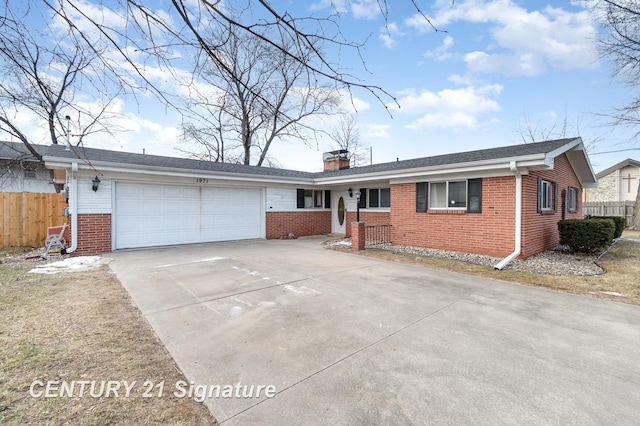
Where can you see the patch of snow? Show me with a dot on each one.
(613, 293)
(235, 311)
(70, 264)
(294, 289)
(301, 290)
(342, 243)
(246, 271)
(237, 299)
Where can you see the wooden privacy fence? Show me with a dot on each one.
(25, 217)
(609, 208)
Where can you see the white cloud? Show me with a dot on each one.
(361, 9)
(388, 35)
(375, 131)
(450, 107)
(366, 9)
(339, 6)
(441, 52)
(523, 42)
(516, 64)
(88, 12)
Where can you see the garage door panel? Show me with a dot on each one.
(191, 193)
(151, 192)
(153, 215)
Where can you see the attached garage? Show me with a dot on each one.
(148, 215)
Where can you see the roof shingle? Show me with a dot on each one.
(145, 160)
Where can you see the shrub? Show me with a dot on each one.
(619, 221)
(586, 235)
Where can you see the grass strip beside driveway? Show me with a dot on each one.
(622, 263)
(82, 326)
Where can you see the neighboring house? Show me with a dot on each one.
(502, 201)
(20, 171)
(616, 183)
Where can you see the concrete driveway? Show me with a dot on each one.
(349, 340)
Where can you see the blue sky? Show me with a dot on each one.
(500, 65)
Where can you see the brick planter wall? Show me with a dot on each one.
(358, 237)
(301, 224)
(94, 234)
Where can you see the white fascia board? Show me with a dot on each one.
(149, 170)
(551, 155)
(462, 174)
(482, 168)
(585, 172)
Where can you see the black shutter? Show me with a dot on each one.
(555, 196)
(363, 198)
(300, 198)
(421, 196)
(539, 208)
(327, 199)
(474, 196)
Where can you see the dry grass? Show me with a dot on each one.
(622, 264)
(628, 233)
(81, 326)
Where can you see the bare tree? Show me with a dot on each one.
(181, 29)
(260, 96)
(621, 44)
(48, 82)
(346, 135)
(539, 131)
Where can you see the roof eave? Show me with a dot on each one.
(526, 161)
(104, 166)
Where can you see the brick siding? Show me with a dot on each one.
(540, 230)
(358, 237)
(302, 223)
(94, 234)
(492, 231)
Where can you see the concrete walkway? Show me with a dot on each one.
(350, 340)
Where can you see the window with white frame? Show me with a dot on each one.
(448, 195)
(545, 195)
(572, 199)
(459, 195)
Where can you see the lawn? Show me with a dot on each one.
(82, 326)
(622, 263)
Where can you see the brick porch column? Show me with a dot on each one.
(357, 235)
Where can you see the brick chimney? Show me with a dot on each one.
(336, 160)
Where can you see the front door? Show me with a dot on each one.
(338, 212)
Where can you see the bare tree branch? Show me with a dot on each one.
(46, 79)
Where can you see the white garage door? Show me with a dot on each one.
(148, 215)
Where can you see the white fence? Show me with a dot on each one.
(609, 208)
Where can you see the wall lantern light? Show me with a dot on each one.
(96, 183)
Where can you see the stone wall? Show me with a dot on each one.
(606, 190)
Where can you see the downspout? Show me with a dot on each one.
(518, 231)
(73, 202)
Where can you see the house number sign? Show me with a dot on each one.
(202, 180)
